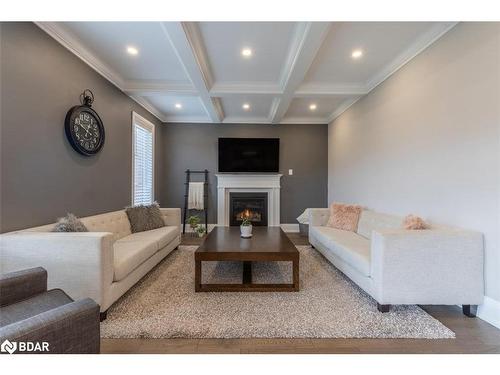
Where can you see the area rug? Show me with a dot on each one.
(165, 305)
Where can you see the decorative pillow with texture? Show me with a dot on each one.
(69, 223)
(413, 222)
(344, 216)
(143, 218)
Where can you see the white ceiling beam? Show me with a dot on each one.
(309, 37)
(244, 88)
(188, 47)
(148, 88)
(310, 90)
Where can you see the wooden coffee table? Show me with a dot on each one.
(266, 244)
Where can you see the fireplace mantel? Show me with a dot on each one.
(248, 183)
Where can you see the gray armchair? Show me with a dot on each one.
(31, 313)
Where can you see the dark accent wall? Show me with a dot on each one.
(42, 177)
(303, 148)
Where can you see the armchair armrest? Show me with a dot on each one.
(70, 328)
(79, 263)
(20, 285)
(318, 216)
(437, 266)
(171, 216)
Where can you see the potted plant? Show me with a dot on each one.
(193, 221)
(200, 230)
(246, 228)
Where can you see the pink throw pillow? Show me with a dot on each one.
(413, 222)
(344, 216)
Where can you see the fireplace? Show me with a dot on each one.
(250, 205)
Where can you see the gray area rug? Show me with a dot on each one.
(165, 305)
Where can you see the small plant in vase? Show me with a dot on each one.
(200, 230)
(246, 228)
(193, 222)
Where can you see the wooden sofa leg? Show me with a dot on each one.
(103, 315)
(383, 308)
(469, 310)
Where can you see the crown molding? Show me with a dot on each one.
(246, 120)
(304, 120)
(148, 107)
(342, 108)
(74, 45)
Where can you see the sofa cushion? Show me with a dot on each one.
(371, 220)
(133, 250)
(33, 306)
(348, 246)
(115, 222)
(144, 217)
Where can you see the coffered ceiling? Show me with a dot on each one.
(246, 72)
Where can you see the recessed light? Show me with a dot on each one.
(132, 50)
(246, 52)
(356, 54)
(313, 107)
(178, 105)
(246, 106)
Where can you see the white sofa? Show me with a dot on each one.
(101, 264)
(438, 266)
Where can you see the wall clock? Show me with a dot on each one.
(83, 126)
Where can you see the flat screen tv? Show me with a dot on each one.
(246, 155)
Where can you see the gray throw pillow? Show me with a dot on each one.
(69, 223)
(143, 218)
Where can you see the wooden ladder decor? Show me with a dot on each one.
(205, 198)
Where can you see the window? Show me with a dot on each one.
(143, 135)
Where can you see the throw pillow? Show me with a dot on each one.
(69, 223)
(344, 216)
(413, 222)
(143, 218)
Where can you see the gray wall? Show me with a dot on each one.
(303, 148)
(426, 141)
(41, 176)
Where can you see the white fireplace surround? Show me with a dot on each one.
(249, 183)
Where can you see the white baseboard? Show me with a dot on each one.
(489, 311)
(290, 228)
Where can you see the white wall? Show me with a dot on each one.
(427, 140)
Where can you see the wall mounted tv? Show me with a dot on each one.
(249, 155)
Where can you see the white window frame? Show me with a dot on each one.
(141, 121)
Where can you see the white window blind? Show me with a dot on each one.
(143, 150)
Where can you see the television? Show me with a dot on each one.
(249, 155)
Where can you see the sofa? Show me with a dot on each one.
(29, 313)
(101, 264)
(437, 266)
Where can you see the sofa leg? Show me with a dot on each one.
(103, 315)
(383, 308)
(469, 310)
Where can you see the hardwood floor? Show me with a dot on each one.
(472, 336)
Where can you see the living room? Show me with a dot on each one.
(326, 186)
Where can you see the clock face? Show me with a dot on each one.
(84, 130)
